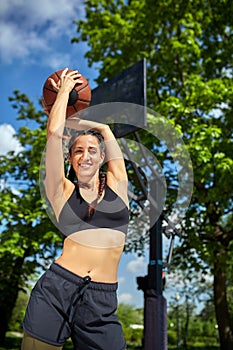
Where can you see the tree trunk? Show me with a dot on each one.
(9, 288)
(186, 321)
(220, 302)
(6, 307)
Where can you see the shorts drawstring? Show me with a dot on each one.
(77, 298)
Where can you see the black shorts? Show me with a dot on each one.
(64, 305)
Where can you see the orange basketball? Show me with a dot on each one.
(79, 98)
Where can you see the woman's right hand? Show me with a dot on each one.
(67, 81)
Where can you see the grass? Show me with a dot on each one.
(13, 342)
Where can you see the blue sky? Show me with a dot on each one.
(34, 42)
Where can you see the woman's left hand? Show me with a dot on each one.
(67, 81)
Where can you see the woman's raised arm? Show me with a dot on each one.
(55, 177)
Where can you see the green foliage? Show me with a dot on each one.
(188, 46)
(201, 330)
(128, 317)
(27, 238)
(25, 225)
(172, 337)
(18, 313)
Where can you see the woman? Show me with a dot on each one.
(76, 297)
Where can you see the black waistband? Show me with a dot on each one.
(70, 276)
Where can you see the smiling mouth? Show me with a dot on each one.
(85, 165)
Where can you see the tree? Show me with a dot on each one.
(202, 328)
(18, 312)
(131, 320)
(27, 237)
(188, 46)
(184, 308)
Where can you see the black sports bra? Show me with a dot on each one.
(111, 212)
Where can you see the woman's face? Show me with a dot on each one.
(86, 157)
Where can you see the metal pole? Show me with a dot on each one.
(155, 308)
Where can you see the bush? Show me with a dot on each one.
(172, 337)
(133, 336)
(18, 313)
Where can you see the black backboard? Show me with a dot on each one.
(128, 86)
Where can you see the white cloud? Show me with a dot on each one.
(137, 266)
(125, 298)
(8, 142)
(121, 279)
(18, 44)
(31, 27)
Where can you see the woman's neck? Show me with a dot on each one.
(91, 184)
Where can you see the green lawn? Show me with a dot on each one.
(13, 343)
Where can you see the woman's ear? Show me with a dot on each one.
(102, 157)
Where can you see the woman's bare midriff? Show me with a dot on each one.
(101, 264)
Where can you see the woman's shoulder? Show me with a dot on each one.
(61, 196)
(120, 188)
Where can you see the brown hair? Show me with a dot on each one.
(102, 175)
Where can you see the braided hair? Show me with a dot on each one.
(93, 204)
(102, 174)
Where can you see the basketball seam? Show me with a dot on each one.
(83, 87)
(58, 76)
(51, 90)
(76, 109)
(83, 100)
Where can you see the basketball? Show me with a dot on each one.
(79, 98)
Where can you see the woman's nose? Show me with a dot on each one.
(85, 155)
